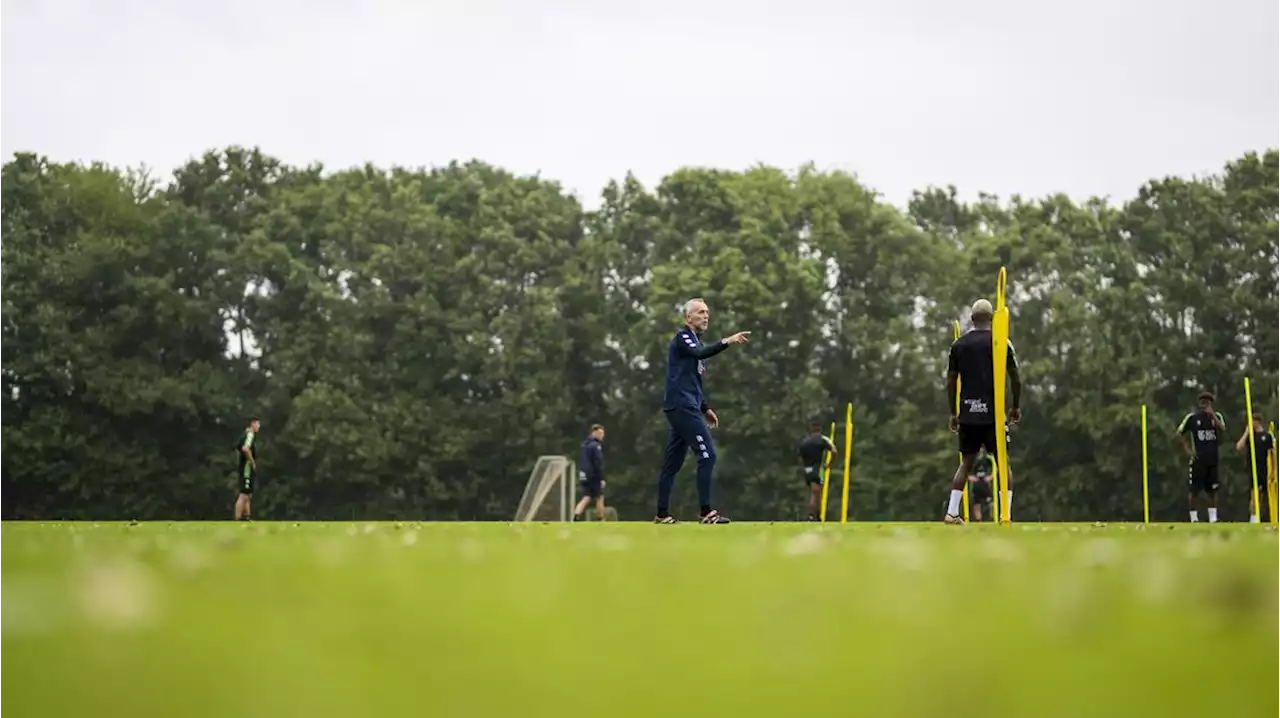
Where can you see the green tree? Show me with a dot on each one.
(413, 339)
(114, 374)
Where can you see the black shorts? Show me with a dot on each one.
(980, 492)
(980, 436)
(248, 478)
(591, 488)
(812, 475)
(1202, 477)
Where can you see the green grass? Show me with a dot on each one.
(443, 620)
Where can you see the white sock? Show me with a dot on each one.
(1213, 516)
(1253, 518)
(1009, 504)
(1195, 518)
(953, 508)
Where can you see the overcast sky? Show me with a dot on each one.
(1090, 97)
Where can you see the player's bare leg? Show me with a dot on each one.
(815, 497)
(957, 488)
(244, 507)
(600, 507)
(580, 510)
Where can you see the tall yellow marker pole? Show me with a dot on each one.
(995, 505)
(1146, 497)
(1253, 455)
(848, 454)
(965, 496)
(1273, 473)
(1000, 361)
(826, 476)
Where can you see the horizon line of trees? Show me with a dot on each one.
(413, 339)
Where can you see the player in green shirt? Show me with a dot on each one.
(1263, 444)
(247, 449)
(980, 490)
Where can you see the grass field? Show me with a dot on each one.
(617, 619)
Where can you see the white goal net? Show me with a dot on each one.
(550, 492)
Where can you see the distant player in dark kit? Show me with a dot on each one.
(247, 449)
(971, 374)
(982, 482)
(1207, 429)
(981, 494)
(1263, 444)
(689, 417)
(591, 474)
(813, 453)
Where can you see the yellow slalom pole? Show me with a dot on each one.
(1000, 361)
(826, 476)
(995, 491)
(955, 325)
(1273, 473)
(848, 454)
(1146, 497)
(1253, 456)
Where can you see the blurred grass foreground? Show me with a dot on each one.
(186, 620)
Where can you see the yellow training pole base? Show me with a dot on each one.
(1273, 473)
(1253, 454)
(1146, 497)
(848, 451)
(826, 478)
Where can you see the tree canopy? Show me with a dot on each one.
(413, 339)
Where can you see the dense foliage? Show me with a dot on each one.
(414, 339)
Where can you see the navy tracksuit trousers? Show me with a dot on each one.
(688, 431)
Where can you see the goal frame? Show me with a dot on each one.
(558, 470)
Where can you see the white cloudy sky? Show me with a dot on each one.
(1086, 97)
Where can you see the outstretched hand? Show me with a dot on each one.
(739, 338)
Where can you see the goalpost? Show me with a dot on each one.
(552, 478)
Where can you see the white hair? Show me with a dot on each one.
(687, 308)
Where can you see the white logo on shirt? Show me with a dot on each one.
(977, 406)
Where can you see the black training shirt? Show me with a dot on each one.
(971, 358)
(1263, 443)
(1204, 435)
(985, 467)
(813, 448)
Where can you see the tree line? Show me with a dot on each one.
(413, 339)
